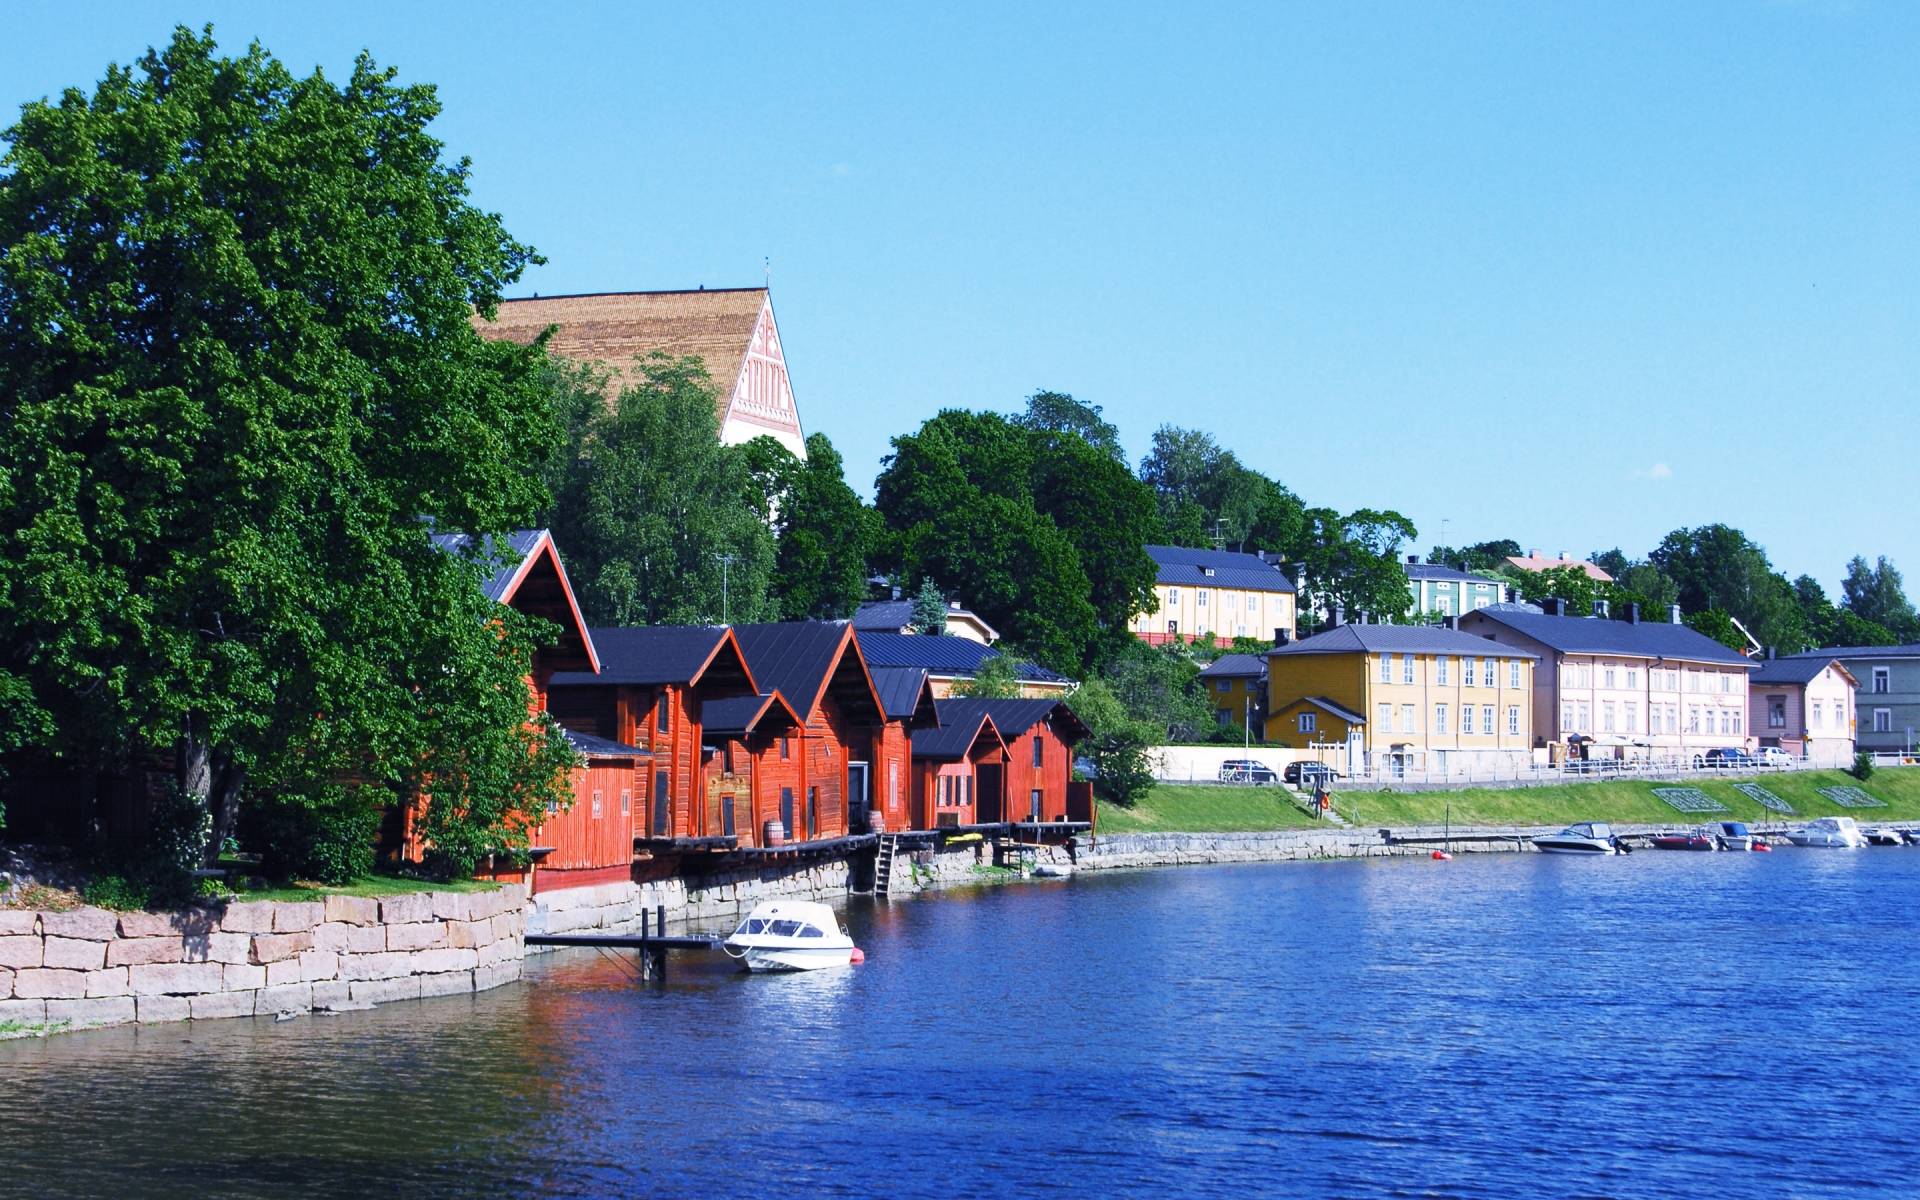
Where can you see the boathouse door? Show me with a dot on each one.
(989, 803)
(859, 797)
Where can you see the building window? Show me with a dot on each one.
(1777, 712)
(786, 747)
(1606, 716)
(1173, 595)
(1223, 716)
(1486, 718)
(1406, 668)
(1039, 750)
(1439, 718)
(1444, 661)
(1585, 716)
(1566, 716)
(1882, 684)
(1883, 720)
(661, 711)
(597, 810)
(1633, 717)
(1693, 719)
(1202, 597)
(1386, 668)
(1606, 676)
(1224, 686)
(1386, 718)
(1486, 673)
(626, 802)
(1633, 678)
(1585, 674)
(1726, 683)
(1819, 716)
(1306, 722)
(1409, 719)
(1513, 673)
(1513, 718)
(1173, 628)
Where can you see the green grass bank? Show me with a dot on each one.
(1205, 808)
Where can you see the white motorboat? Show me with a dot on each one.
(1588, 837)
(1734, 835)
(1828, 833)
(1883, 835)
(790, 935)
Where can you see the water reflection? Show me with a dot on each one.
(1353, 1029)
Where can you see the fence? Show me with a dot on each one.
(1378, 775)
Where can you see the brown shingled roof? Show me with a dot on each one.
(715, 325)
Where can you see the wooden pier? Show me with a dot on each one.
(651, 944)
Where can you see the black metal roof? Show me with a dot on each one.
(900, 689)
(1603, 635)
(1184, 566)
(793, 657)
(509, 550)
(649, 654)
(1405, 639)
(594, 746)
(889, 615)
(1013, 717)
(941, 655)
(953, 737)
(746, 714)
(1232, 666)
(1796, 669)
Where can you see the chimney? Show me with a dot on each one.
(1281, 637)
(1769, 653)
(1554, 606)
(1533, 553)
(1339, 615)
(1673, 614)
(953, 606)
(1413, 560)
(1451, 622)
(1633, 614)
(1562, 556)
(1599, 608)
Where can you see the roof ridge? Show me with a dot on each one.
(693, 291)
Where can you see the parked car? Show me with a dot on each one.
(1774, 756)
(1084, 768)
(1726, 758)
(1246, 770)
(1308, 775)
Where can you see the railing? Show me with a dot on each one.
(1663, 769)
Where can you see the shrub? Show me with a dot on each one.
(1862, 768)
(115, 892)
(329, 839)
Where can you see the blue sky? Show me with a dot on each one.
(1575, 274)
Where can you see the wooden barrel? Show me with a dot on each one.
(776, 833)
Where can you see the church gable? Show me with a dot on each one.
(762, 401)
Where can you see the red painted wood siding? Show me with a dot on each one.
(583, 838)
(893, 790)
(1050, 777)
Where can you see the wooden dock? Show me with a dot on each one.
(650, 942)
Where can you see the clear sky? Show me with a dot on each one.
(1575, 274)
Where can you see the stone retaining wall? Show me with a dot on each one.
(90, 967)
(721, 896)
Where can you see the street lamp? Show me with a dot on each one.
(726, 611)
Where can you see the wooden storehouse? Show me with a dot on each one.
(907, 701)
(1040, 736)
(959, 771)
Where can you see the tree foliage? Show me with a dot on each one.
(1058, 412)
(1717, 566)
(1352, 564)
(650, 504)
(238, 380)
(1876, 594)
(823, 532)
(997, 678)
(1481, 556)
(929, 608)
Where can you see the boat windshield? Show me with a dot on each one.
(807, 931)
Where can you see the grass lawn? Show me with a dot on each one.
(368, 885)
(1202, 808)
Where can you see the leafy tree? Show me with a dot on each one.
(1353, 562)
(1204, 493)
(1043, 534)
(652, 503)
(1878, 594)
(1827, 625)
(1571, 584)
(1481, 556)
(1116, 745)
(1158, 688)
(238, 379)
(1718, 626)
(929, 608)
(1058, 412)
(1717, 566)
(823, 531)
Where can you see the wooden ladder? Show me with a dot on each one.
(883, 863)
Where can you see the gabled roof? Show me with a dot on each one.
(594, 746)
(519, 556)
(955, 737)
(1183, 566)
(1540, 562)
(1234, 666)
(1400, 639)
(1325, 705)
(905, 693)
(1910, 650)
(1012, 718)
(747, 714)
(1602, 635)
(799, 659)
(1799, 669)
(886, 615)
(946, 656)
(714, 325)
(655, 654)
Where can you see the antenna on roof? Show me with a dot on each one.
(1219, 538)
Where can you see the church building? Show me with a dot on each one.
(731, 330)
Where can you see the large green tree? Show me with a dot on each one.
(1717, 566)
(1038, 531)
(239, 387)
(660, 522)
(823, 532)
(1352, 563)
(1878, 595)
(1058, 412)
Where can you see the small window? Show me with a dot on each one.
(1039, 751)
(1406, 668)
(1173, 595)
(596, 804)
(1513, 673)
(1441, 671)
(1307, 722)
(1882, 684)
(1202, 600)
(1439, 718)
(1777, 712)
(626, 802)
(1385, 718)
(1513, 719)
(662, 711)
(1486, 718)
(786, 746)
(1882, 717)
(1225, 685)
(811, 931)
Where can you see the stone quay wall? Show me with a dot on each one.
(90, 967)
(707, 898)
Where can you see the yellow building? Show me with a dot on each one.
(1403, 697)
(1215, 594)
(1236, 687)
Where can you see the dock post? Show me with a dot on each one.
(653, 964)
(644, 914)
(660, 919)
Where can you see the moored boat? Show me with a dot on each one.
(1588, 837)
(1697, 838)
(1883, 835)
(790, 935)
(1828, 833)
(1734, 835)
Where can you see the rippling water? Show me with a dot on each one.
(1503, 1026)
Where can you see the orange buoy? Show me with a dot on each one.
(1442, 856)
(859, 956)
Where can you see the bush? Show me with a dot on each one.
(329, 840)
(115, 892)
(1862, 768)
(1122, 772)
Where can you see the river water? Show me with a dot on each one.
(1500, 1026)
